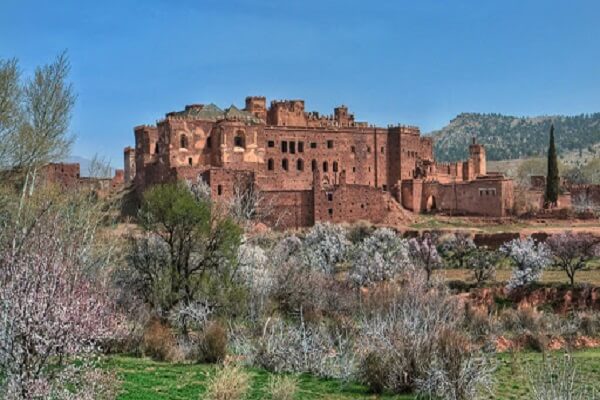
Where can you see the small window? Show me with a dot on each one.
(368, 149)
(353, 169)
(330, 211)
(383, 149)
(325, 166)
(270, 164)
(156, 148)
(271, 143)
(238, 141)
(329, 196)
(190, 161)
(300, 147)
(313, 145)
(293, 147)
(330, 144)
(209, 142)
(219, 190)
(300, 165)
(384, 188)
(183, 142)
(285, 164)
(313, 165)
(284, 146)
(335, 166)
(352, 149)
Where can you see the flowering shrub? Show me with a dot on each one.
(379, 257)
(325, 246)
(529, 257)
(49, 313)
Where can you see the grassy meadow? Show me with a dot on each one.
(143, 379)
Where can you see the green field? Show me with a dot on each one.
(145, 379)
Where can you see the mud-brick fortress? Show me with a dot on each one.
(310, 167)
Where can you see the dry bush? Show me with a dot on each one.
(407, 333)
(589, 323)
(457, 372)
(373, 371)
(282, 387)
(556, 378)
(159, 342)
(213, 343)
(227, 383)
(520, 321)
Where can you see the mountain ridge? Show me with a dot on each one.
(511, 137)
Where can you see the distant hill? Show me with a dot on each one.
(507, 137)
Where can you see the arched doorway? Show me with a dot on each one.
(431, 204)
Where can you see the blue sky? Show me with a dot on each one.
(416, 62)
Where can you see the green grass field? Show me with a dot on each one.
(149, 380)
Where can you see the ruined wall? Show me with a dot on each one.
(128, 164)
(65, 175)
(288, 209)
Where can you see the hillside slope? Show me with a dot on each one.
(507, 137)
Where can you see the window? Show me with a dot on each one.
(329, 196)
(382, 149)
(183, 142)
(300, 147)
(352, 149)
(156, 148)
(313, 145)
(190, 161)
(300, 165)
(335, 166)
(283, 146)
(313, 165)
(293, 147)
(271, 143)
(353, 169)
(219, 190)
(384, 188)
(284, 164)
(325, 166)
(270, 164)
(330, 144)
(368, 149)
(238, 141)
(209, 142)
(330, 211)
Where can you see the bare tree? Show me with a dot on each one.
(571, 251)
(424, 254)
(556, 378)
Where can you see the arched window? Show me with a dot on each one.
(313, 165)
(335, 166)
(325, 166)
(284, 164)
(300, 165)
(238, 140)
(183, 142)
(270, 164)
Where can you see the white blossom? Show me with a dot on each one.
(529, 257)
(325, 246)
(381, 256)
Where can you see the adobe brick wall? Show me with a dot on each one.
(66, 175)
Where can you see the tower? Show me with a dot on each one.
(129, 164)
(257, 105)
(477, 155)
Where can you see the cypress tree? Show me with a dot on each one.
(551, 195)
